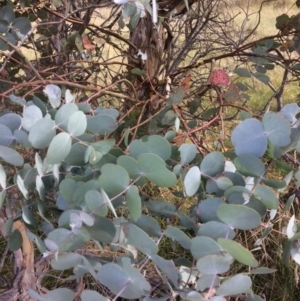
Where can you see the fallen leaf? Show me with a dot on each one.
(87, 44)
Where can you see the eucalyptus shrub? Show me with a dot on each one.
(78, 164)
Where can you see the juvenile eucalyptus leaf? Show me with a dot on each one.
(22, 187)
(113, 179)
(238, 252)
(149, 225)
(176, 234)
(262, 270)
(192, 180)
(267, 196)
(138, 238)
(235, 285)
(160, 208)
(249, 138)
(31, 115)
(207, 281)
(119, 282)
(42, 133)
(54, 95)
(101, 124)
(60, 294)
(213, 265)
(77, 124)
(187, 153)
(249, 165)
(22, 138)
(2, 198)
(277, 128)
(2, 177)
(134, 202)
(202, 246)
(59, 148)
(207, 209)
(153, 145)
(215, 230)
(11, 120)
(7, 136)
(63, 115)
(15, 240)
(90, 295)
(168, 268)
(103, 230)
(239, 216)
(154, 169)
(28, 216)
(66, 261)
(22, 25)
(96, 203)
(212, 164)
(11, 156)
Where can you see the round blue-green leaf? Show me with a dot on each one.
(103, 230)
(262, 270)
(66, 261)
(249, 137)
(202, 246)
(154, 145)
(187, 153)
(168, 268)
(238, 252)
(235, 285)
(63, 114)
(239, 216)
(30, 116)
(22, 24)
(96, 203)
(192, 181)
(77, 124)
(267, 196)
(154, 169)
(60, 294)
(7, 14)
(42, 133)
(89, 295)
(15, 240)
(113, 178)
(254, 298)
(176, 234)
(2, 177)
(215, 230)
(277, 128)
(223, 183)
(134, 202)
(207, 209)
(101, 124)
(206, 281)
(149, 225)
(132, 168)
(249, 165)
(119, 282)
(213, 265)
(11, 156)
(22, 138)
(59, 148)
(160, 208)
(54, 95)
(6, 137)
(11, 120)
(212, 164)
(139, 239)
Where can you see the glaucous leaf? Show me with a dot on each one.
(90, 295)
(238, 252)
(277, 128)
(249, 165)
(192, 180)
(176, 234)
(249, 138)
(54, 95)
(96, 203)
(213, 265)
(154, 169)
(212, 164)
(207, 209)
(215, 230)
(63, 115)
(134, 202)
(2, 177)
(66, 261)
(238, 284)
(239, 216)
(202, 246)
(42, 133)
(139, 239)
(15, 240)
(149, 225)
(187, 153)
(153, 145)
(101, 124)
(11, 156)
(31, 115)
(77, 124)
(59, 148)
(7, 136)
(60, 294)
(267, 196)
